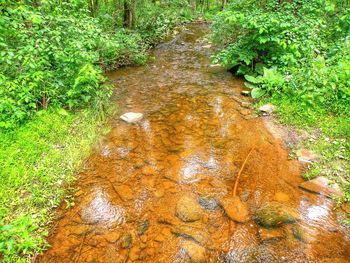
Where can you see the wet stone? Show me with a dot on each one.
(235, 209)
(270, 234)
(126, 240)
(142, 227)
(194, 232)
(273, 214)
(321, 185)
(208, 203)
(301, 233)
(196, 252)
(281, 197)
(124, 192)
(112, 236)
(188, 209)
(134, 253)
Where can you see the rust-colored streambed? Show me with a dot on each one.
(153, 191)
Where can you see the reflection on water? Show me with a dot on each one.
(153, 191)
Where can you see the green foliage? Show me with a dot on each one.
(18, 237)
(50, 52)
(271, 81)
(38, 161)
(304, 42)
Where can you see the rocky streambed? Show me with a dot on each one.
(160, 188)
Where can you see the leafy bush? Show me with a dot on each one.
(53, 55)
(306, 42)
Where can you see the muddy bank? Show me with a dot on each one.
(155, 191)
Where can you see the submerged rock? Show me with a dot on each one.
(270, 234)
(188, 209)
(194, 251)
(301, 233)
(273, 214)
(124, 192)
(132, 117)
(208, 203)
(235, 209)
(321, 185)
(281, 197)
(197, 233)
(142, 227)
(126, 240)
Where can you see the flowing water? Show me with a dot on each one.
(195, 135)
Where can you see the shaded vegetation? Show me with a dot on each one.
(296, 54)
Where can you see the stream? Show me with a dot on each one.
(157, 190)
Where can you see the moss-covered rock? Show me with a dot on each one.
(273, 214)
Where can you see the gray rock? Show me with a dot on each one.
(208, 203)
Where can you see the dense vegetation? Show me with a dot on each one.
(297, 55)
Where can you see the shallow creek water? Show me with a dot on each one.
(194, 137)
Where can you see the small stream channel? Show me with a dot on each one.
(154, 191)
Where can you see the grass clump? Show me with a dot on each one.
(38, 161)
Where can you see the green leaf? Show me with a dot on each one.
(257, 93)
(250, 85)
(252, 79)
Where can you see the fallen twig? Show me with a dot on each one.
(234, 192)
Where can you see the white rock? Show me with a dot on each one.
(132, 117)
(268, 108)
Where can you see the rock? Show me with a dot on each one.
(124, 192)
(194, 251)
(126, 240)
(246, 104)
(306, 156)
(267, 109)
(142, 227)
(148, 170)
(207, 46)
(270, 234)
(273, 214)
(132, 117)
(301, 234)
(112, 236)
(235, 209)
(163, 235)
(245, 112)
(281, 197)
(208, 203)
(134, 253)
(321, 185)
(245, 92)
(188, 209)
(193, 232)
